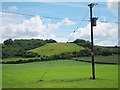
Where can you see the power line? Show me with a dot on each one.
(77, 27)
(48, 17)
(95, 4)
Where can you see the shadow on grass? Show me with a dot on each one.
(70, 80)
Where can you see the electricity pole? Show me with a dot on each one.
(92, 47)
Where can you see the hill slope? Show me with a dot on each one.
(56, 48)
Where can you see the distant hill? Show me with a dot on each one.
(18, 47)
(27, 48)
(56, 48)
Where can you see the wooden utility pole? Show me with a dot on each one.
(92, 46)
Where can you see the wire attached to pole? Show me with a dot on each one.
(77, 27)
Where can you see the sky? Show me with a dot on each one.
(28, 27)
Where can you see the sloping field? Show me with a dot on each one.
(56, 48)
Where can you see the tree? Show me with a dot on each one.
(79, 41)
(82, 42)
(8, 42)
(50, 41)
(18, 47)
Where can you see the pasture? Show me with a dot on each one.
(104, 59)
(59, 74)
(56, 48)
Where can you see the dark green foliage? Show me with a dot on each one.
(82, 42)
(98, 50)
(114, 50)
(0, 50)
(50, 41)
(29, 44)
(106, 52)
(18, 48)
(79, 41)
(69, 55)
(27, 54)
(8, 42)
(86, 52)
(66, 55)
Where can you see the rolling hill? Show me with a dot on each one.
(56, 48)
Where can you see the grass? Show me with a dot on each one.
(16, 59)
(60, 74)
(108, 59)
(56, 48)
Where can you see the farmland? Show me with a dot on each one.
(59, 74)
(54, 65)
(50, 45)
(104, 59)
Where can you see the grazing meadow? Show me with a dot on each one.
(59, 74)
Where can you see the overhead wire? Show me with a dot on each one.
(48, 17)
(96, 4)
(77, 27)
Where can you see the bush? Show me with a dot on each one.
(8, 42)
(30, 54)
(82, 42)
(50, 41)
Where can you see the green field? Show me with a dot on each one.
(59, 74)
(16, 59)
(107, 59)
(56, 48)
(103, 59)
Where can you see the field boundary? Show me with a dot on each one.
(91, 61)
(38, 60)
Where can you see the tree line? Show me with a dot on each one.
(18, 48)
(98, 50)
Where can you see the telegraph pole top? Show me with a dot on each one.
(91, 5)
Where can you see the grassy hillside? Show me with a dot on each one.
(57, 48)
(59, 74)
